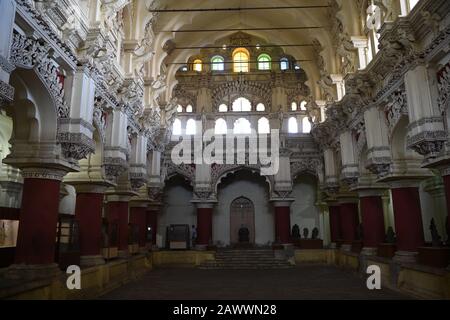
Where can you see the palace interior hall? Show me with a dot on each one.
(238, 149)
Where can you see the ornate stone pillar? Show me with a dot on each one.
(35, 251)
(408, 220)
(379, 152)
(88, 211)
(361, 44)
(8, 10)
(372, 216)
(283, 221)
(426, 134)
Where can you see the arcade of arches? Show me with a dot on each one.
(96, 95)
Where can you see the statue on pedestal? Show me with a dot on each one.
(305, 233)
(436, 238)
(390, 236)
(296, 232)
(315, 234)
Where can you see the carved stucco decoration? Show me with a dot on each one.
(396, 107)
(444, 89)
(261, 90)
(312, 166)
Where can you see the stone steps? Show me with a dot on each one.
(246, 260)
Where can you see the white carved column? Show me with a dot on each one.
(338, 80)
(426, 134)
(138, 163)
(76, 131)
(379, 152)
(350, 170)
(8, 10)
(115, 151)
(361, 44)
(331, 174)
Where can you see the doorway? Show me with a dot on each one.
(242, 214)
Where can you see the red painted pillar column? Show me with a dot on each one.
(138, 217)
(35, 250)
(88, 212)
(349, 220)
(283, 222)
(335, 228)
(372, 220)
(117, 212)
(204, 224)
(152, 222)
(408, 222)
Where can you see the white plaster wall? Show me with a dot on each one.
(177, 209)
(432, 206)
(304, 212)
(253, 188)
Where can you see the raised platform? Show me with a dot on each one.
(247, 259)
(95, 281)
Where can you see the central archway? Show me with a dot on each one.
(242, 214)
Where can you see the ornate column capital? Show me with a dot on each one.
(43, 173)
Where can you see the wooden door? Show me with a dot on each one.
(242, 213)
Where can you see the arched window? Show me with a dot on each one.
(198, 65)
(179, 109)
(241, 58)
(217, 63)
(264, 62)
(191, 127)
(306, 125)
(241, 105)
(176, 128)
(189, 109)
(294, 106)
(242, 126)
(284, 64)
(263, 126)
(303, 105)
(220, 127)
(260, 107)
(223, 108)
(293, 125)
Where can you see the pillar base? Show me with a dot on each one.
(32, 272)
(405, 257)
(91, 261)
(346, 247)
(369, 251)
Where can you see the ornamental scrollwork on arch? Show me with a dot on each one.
(257, 89)
(396, 107)
(29, 53)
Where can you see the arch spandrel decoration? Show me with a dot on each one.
(312, 166)
(261, 92)
(221, 171)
